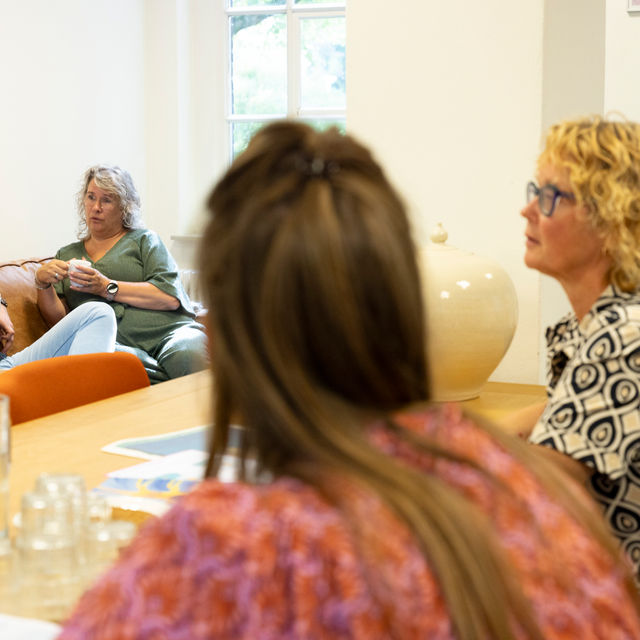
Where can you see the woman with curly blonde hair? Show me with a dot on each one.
(583, 229)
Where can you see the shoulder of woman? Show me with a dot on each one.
(230, 509)
(245, 522)
(617, 321)
(139, 235)
(148, 239)
(70, 249)
(629, 308)
(465, 436)
(240, 500)
(615, 306)
(439, 422)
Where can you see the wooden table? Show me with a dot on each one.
(71, 441)
(499, 399)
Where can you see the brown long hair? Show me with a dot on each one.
(317, 325)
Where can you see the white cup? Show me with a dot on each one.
(73, 267)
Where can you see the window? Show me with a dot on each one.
(286, 59)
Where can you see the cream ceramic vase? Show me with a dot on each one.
(472, 312)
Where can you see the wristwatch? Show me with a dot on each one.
(3, 301)
(112, 290)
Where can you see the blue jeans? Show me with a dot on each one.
(89, 328)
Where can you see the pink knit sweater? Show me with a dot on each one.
(243, 562)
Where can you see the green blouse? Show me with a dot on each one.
(139, 256)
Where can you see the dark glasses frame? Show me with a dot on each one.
(547, 197)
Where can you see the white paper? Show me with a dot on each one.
(14, 628)
(185, 465)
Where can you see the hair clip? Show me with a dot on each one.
(317, 167)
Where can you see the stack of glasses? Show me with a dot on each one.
(65, 538)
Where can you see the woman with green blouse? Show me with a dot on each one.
(131, 269)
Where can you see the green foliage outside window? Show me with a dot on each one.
(259, 70)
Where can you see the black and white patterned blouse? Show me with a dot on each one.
(593, 407)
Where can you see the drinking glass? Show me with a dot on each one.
(98, 509)
(72, 487)
(44, 513)
(5, 457)
(48, 546)
(7, 557)
(105, 540)
(50, 577)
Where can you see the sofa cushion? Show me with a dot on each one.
(17, 287)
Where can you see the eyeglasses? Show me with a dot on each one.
(547, 196)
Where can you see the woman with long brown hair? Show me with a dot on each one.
(363, 511)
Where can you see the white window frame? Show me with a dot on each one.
(295, 13)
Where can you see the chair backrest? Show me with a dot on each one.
(47, 386)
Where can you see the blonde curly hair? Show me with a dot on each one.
(603, 160)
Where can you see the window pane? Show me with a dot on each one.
(258, 64)
(255, 3)
(241, 133)
(317, 2)
(322, 64)
(321, 125)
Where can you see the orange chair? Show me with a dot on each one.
(47, 386)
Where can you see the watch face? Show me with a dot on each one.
(112, 287)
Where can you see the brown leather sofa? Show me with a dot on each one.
(18, 289)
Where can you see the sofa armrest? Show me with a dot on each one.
(17, 287)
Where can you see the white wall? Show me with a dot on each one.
(449, 96)
(573, 78)
(622, 60)
(184, 87)
(72, 95)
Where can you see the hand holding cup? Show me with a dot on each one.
(78, 267)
